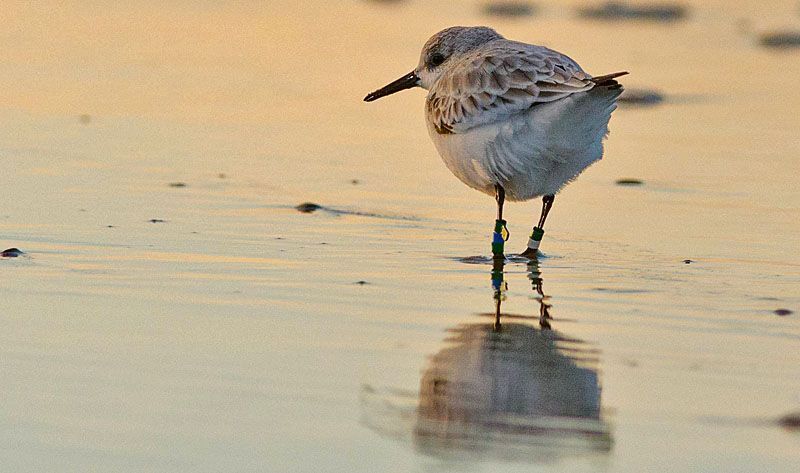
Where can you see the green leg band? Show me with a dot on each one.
(536, 238)
(499, 237)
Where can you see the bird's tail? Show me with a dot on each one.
(608, 80)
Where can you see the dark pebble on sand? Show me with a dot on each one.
(361, 283)
(640, 97)
(355, 182)
(616, 11)
(508, 9)
(11, 253)
(177, 184)
(308, 207)
(783, 312)
(629, 182)
(156, 220)
(780, 39)
(790, 421)
(687, 261)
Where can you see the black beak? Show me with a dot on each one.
(406, 82)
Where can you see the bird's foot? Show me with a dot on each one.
(532, 251)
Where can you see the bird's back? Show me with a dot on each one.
(499, 79)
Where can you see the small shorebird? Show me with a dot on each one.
(510, 119)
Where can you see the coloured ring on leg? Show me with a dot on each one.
(536, 238)
(499, 237)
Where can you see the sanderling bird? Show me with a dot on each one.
(510, 119)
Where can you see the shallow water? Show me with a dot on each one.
(242, 335)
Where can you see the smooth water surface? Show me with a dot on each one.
(209, 326)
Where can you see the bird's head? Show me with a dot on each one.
(439, 51)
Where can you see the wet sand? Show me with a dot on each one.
(214, 327)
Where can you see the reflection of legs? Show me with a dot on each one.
(500, 232)
(538, 231)
(498, 284)
(544, 307)
(544, 313)
(497, 301)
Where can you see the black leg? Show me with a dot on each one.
(500, 197)
(547, 204)
(500, 231)
(538, 230)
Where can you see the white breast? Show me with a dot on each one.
(532, 153)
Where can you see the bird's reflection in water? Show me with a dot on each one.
(507, 386)
(510, 388)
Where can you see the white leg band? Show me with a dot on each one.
(536, 238)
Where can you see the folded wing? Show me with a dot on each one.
(505, 78)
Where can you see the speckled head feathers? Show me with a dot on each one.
(456, 40)
(447, 45)
(439, 50)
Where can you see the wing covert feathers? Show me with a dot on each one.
(501, 79)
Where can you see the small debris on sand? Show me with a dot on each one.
(361, 283)
(177, 184)
(156, 220)
(308, 207)
(783, 312)
(790, 421)
(355, 181)
(780, 39)
(616, 11)
(84, 119)
(641, 97)
(222, 175)
(630, 363)
(509, 9)
(11, 253)
(629, 182)
(688, 261)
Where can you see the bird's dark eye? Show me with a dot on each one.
(436, 59)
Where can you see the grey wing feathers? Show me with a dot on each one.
(574, 135)
(500, 80)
